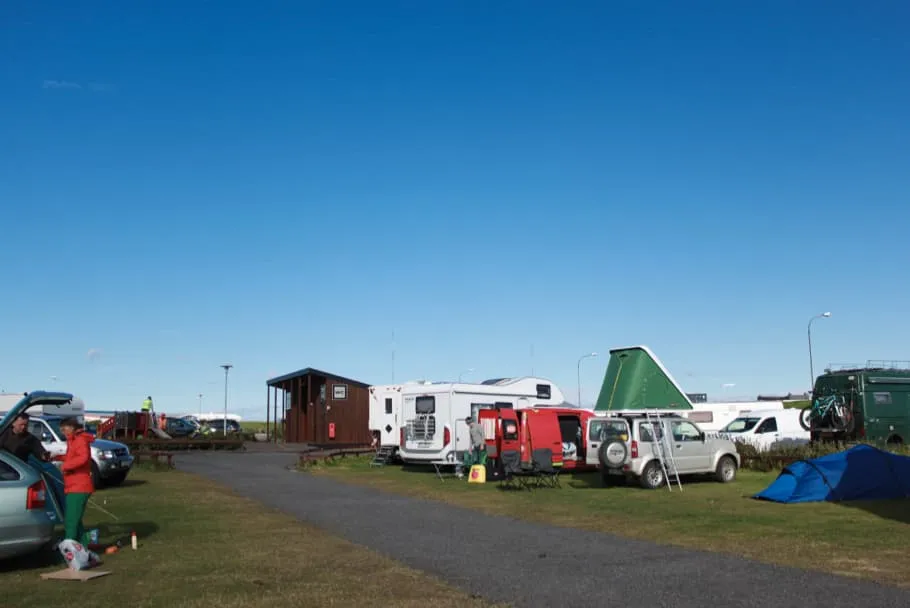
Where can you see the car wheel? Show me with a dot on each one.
(612, 454)
(97, 481)
(653, 476)
(726, 470)
(116, 479)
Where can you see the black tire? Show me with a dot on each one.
(652, 477)
(97, 481)
(115, 480)
(805, 417)
(726, 469)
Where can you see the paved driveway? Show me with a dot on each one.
(529, 564)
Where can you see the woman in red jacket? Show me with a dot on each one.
(77, 477)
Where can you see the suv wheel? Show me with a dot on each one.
(653, 476)
(726, 470)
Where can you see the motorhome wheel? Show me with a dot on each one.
(612, 454)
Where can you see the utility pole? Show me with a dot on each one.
(227, 367)
(200, 404)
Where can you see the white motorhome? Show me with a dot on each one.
(712, 417)
(385, 412)
(433, 427)
(764, 428)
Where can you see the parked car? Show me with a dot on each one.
(179, 427)
(111, 460)
(216, 427)
(627, 449)
(763, 429)
(27, 513)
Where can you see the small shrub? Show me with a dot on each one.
(779, 457)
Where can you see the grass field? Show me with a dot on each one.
(200, 546)
(861, 540)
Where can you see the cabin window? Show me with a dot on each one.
(425, 405)
(509, 430)
(543, 391)
(388, 405)
(882, 398)
(339, 392)
(768, 426)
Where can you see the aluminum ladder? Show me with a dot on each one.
(664, 450)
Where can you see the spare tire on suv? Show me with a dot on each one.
(612, 454)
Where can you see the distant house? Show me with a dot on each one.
(320, 407)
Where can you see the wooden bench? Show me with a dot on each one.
(155, 456)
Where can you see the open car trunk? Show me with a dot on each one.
(51, 475)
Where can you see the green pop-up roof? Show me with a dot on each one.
(636, 379)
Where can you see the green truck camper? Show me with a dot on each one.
(861, 403)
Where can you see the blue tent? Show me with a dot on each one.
(860, 473)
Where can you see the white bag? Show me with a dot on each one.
(77, 556)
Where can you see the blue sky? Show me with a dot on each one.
(280, 185)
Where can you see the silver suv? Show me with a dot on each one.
(625, 446)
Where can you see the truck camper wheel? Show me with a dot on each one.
(653, 476)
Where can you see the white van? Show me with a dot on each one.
(763, 428)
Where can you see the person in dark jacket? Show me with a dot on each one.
(20, 443)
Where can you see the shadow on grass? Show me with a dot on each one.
(129, 483)
(896, 510)
(112, 532)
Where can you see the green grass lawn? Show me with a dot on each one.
(861, 540)
(200, 545)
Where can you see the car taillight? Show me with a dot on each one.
(401, 437)
(446, 437)
(634, 450)
(37, 496)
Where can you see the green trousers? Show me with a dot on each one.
(72, 517)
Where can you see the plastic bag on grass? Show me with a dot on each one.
(77, 556)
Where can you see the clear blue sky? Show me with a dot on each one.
(284, 184)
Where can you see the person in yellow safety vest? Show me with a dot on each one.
(147, 408)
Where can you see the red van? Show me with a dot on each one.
(560, 429)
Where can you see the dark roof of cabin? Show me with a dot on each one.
(312, 371)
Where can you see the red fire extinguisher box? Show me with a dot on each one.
(331, 430)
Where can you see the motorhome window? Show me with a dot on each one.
(741, 425)
(543, 391)
(882, 398)
(509, 430)
(602, 430)
(703, 416)
(425, 405)
(388, 405)
(768, 426)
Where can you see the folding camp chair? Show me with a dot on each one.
(545, 474)
(511, 475)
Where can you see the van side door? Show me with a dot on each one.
(543, 432)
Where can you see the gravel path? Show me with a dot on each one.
(528, 564)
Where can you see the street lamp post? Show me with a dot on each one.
(200, 404)
(579, 373)
(226, 366)
(824, 315)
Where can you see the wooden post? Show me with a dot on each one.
(268, 391)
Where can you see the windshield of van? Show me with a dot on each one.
(601, 430)
(742, 424)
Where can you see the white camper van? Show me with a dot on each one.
(712, 416)
(433, 427)
(385, 412)
(764, 428)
